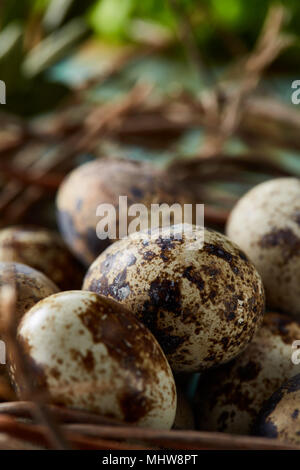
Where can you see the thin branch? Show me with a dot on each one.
(269, 45)
(37, 434)
(185, 440)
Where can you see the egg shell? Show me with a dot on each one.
(31, 285)
(103, 181)
(202, 304)
(280, 416)
(43, 250)
(230, 397)
(265, 223)
(90, 353)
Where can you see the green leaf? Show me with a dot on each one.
(228, 12)
(109, 17)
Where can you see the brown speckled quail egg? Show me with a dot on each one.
(103, 181)
(91, 353)
(230, 397)
(43, 250)
(280, 416)
(265, 223)
(31, 285)
(202, 304)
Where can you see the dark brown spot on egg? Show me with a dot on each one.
(137, 193)
(285, 238)
(280, 324)
(222, 421)
(38, 375)
(164, 294)
(249, 371)
(134, 405)
(219, 252)
(292, 385)
(148, 255)
(86, 360)
(231, 307)
(169, 342)
(54, 372)
(242, 255)
(191, 275)
(295, 414)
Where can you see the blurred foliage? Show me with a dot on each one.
(36, 34)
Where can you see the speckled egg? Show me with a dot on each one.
(280, 416)
(31, 285)
(203, 304)
(103, 181)
(92, 354)
(265, 223)
(230, 397)
(43, 250)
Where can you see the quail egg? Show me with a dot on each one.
(90, 353)
(203, 302)
(265, 223)
(43, 250)
(103, 182)
(31, 285)
(230, 397)
(280, 416)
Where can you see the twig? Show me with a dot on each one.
(48, 182)
(185, 440)
(269, 44)
(8, 442)
(23, 409)
(39, 435)
(92, 425)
